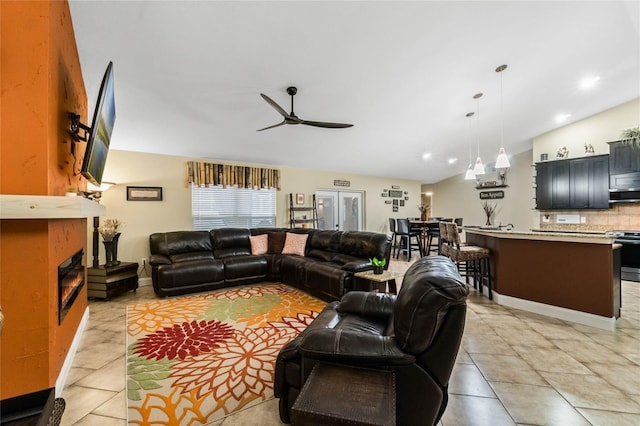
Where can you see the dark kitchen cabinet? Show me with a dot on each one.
(623, 158)
(552, 185)
(579, 175)
(624, 171)
(544, 185)
(560, 176)
(579, 183)
(599, 182)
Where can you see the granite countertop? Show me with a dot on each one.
(544, 235)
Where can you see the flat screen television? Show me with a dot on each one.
(104, 116)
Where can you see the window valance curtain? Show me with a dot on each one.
(205, 174)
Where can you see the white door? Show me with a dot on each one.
(340, 210)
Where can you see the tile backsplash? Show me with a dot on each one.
(623, 217)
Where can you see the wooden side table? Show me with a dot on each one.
(368, 281)
(344, 395)
(105, 282)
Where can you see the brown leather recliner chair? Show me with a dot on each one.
(415, 334)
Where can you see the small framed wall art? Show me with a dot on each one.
(144, 193)
(299, 198)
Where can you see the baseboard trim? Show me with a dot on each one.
(556, 312)
(68, 361)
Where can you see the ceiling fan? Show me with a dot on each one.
(292, 118)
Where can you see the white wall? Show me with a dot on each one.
(173, 213)
(596, 130)
(456, 197)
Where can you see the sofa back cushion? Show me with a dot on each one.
(179, 242)
(276, 242)
(323, 245)
(229, 242)
(431, 286)
(365, 245)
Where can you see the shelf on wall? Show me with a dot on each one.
(48, 207)
(492, 186)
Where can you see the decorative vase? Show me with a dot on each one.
(378, 269)
(423, 216)
(111, 251)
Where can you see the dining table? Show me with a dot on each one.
(426, 226)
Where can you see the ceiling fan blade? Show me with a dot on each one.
(275, 105)
(325, 124)
(275, 125)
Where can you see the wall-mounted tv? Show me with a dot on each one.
(104, 116)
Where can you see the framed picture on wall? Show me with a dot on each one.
(299, 198)
(144, 193)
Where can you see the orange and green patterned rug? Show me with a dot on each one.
(196, 359)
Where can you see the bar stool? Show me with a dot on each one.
(434, 237)
(406, 233)
(472, 261)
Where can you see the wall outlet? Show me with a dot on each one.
(568, 218)
(143, 262)
(583, 219)
(546, 218)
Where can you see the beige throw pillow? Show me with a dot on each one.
(295, 243)
(259, 243)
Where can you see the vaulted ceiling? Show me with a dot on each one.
(188, 77)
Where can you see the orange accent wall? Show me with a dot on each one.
(41, 83)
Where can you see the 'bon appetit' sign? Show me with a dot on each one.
(491, 195)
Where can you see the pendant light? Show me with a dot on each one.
(478, 168)
(502, 162)
(470, 174)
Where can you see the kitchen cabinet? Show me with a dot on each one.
(624, 172)
(579, 183)
(623, 158)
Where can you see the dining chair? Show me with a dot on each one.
(394, 235)
(405, 233)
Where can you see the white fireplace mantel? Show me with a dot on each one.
(48, 207)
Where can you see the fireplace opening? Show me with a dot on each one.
(70, 281)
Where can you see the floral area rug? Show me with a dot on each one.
(193, 360)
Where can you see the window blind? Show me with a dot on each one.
(216, 207)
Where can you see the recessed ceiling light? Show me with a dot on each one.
(589, 82)
(426, 155)
(452, 160)
(561, 118)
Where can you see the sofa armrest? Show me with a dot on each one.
(357, 265)
(159, 259)
(367, 303)
(348, 346)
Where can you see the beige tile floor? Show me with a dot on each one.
(513, 368)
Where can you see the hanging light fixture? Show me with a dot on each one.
(470, 174)
(502, 162)
(478, 168)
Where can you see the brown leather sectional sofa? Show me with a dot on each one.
(193, 261)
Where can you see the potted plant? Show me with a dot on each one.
(631, 136)
(490, 210)
(423, 211)
(378, 265)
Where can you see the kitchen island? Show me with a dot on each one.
(571, 276)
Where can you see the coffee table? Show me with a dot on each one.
(368, 281)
